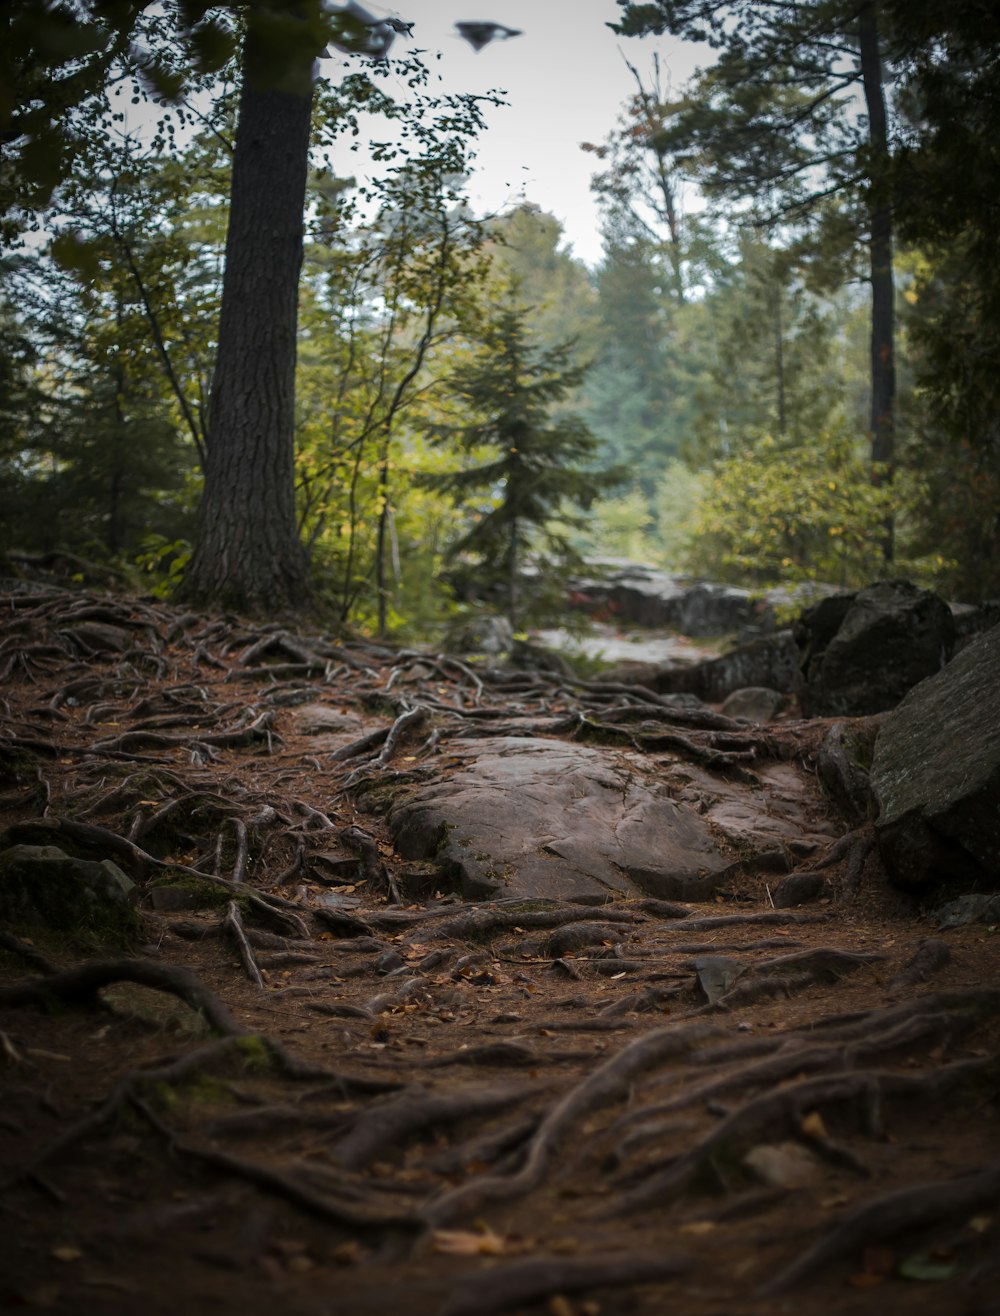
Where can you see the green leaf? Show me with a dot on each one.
(920, 1266)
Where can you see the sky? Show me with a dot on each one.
(566, 82)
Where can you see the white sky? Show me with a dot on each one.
(566, 82)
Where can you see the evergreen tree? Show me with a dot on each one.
(526, 467)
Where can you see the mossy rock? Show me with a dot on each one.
(47, 892)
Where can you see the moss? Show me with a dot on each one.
(256, 1053)
(201, 894)
(57, 898)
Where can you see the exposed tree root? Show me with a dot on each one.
(391, 1121)
(599, 1087)
(782, 1112)
(81, 985)
(913, 1207)
(522, 1282)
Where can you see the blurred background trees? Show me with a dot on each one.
(724, 350)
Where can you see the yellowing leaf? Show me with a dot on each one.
(465, 1243)
(812, 1125)
(67, 1252)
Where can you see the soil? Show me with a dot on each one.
(325, 1082)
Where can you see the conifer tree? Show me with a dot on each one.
(537, 463)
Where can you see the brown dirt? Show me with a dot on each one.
(422, 1110)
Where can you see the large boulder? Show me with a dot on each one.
(640, 595)
(44, 890)
(538, 818)
(860, 653)
(769, 660)
(936, 775)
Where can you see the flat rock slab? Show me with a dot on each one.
(537, 818)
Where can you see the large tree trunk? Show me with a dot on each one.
(248, 555)
(883, 365)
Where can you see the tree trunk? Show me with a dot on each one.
(248, 555)
(883, 367)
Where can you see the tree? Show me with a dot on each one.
(774, 122)
(248, 555)
(525, 468)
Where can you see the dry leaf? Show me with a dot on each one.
(67, 1252)
(464, 1243)
(812, 1126)
(348, 1254)
(559, 1306)
(696, 1227)
(981, 1223)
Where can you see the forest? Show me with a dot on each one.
(235, 374)
(347, 966)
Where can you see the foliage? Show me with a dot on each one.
(774, 514)
(525, 468)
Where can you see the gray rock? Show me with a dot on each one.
(936, 775)
(319, 719)
(756, 703)
(860, 653)
(487, 633)
(843, 766)
(640, 595)
(539, 818)
(42, 887)
(976, 907)
(800, 889)
(770, 660)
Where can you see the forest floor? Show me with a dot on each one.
(325, 1083)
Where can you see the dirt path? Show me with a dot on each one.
(325, 1082)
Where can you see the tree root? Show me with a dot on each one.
(391, 1121)
(785, 1109)
(81, 985)
(913, 1207)
(599, 1087)
(232, 926)
(521, 1282)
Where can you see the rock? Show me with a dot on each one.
(527, 657)
(319, 719)
(488, 633)
(800, 889)
(771, 661)
(860, 653)
(936, 775)
(756, 703)
(43, 888)
(975, 907)
(716, 974)
(784, 1164)
(539, 818)
(641, 595)
(843, 765)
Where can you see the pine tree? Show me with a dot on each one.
(538, 464)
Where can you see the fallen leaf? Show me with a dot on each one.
(559, 1306)
(862, 1280)
(696, 1227)
(465, 1243)
(348, 1254)
(812, 1126)
(981, 1223)
(67, 1252)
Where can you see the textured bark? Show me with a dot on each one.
(883, 367)
(248, 555)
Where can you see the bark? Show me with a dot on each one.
(883, 368)
(248, 555)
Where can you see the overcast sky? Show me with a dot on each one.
(566, 81)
